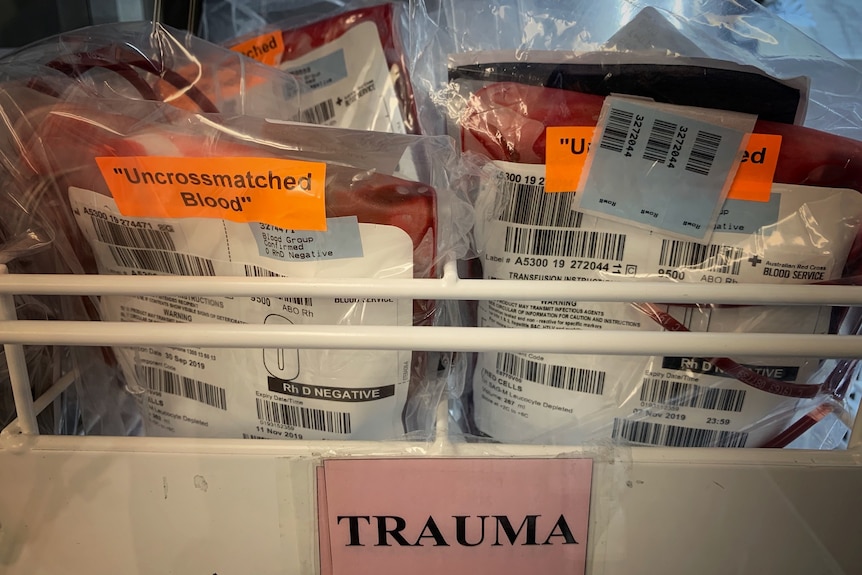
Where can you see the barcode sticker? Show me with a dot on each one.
(702, 156)
(565, 243)
(519, 202)
(253, 271)
(157, 261)
(684, 394)
(165, 381)
(660, 167)
(276, 413)
(660, 140)
(713, 258)
(557, 376)
(143, 238)
(346, 82)
(318, 114)
(648, 433)
(617, 136)
(138, 246)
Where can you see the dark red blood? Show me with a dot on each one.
(507, 121)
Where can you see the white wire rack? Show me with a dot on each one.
(129, 504)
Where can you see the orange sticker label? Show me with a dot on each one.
(567, 147)
(284, 193)
(566, 150)
(753, 179)
(267, 48)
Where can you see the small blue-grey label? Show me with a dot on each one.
(744, 217)
(322, 72)
(659, 169)
(341, 240)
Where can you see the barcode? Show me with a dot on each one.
(660, 139)
(566, 243)
(683, 394)
(174, 384)
(557, 376)
(259, 272)
(617, 130)
(161, 261)
(715, 258)
(703, 153)
(307, 418)
(319, 113)
(675, 436)
(111, 233)
(529, 205)
(250, 436)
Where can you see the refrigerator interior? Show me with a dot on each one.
(105, 504)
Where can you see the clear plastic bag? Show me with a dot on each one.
(97, 402)
(140, 60)
(388, 204)
(225, 20)
(506, 89)
(352, 61)
(389, 210)
(742, 32)
(137, 61)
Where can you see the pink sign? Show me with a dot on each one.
(433, 516)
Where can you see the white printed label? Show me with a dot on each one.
(272, 393)
(662, 167)
(524, 233)
(348, 83)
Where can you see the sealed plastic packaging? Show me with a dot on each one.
(352, 63)
(804, 228)
(154, 190)
(741, 32)
(135, 61)
(225, 20)
(140, 60)
(34, 238)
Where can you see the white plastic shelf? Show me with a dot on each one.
(106, 505)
